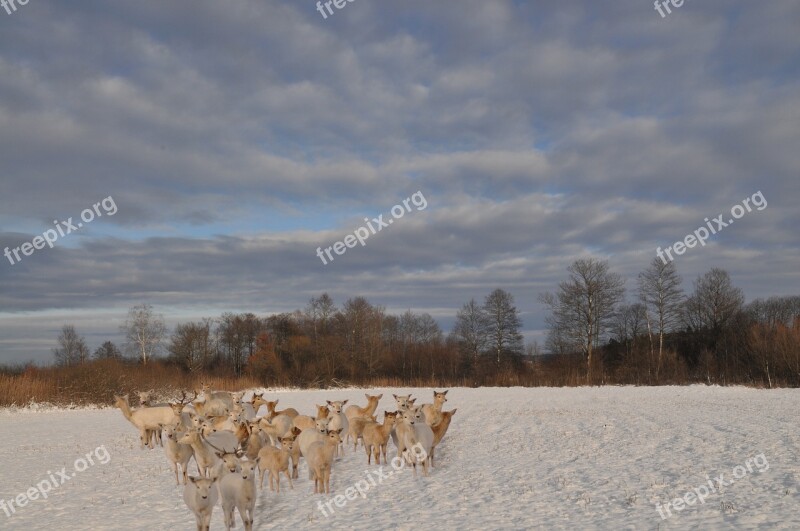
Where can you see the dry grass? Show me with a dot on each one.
(96, 382)
(24, 388)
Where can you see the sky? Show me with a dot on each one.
(235, 138)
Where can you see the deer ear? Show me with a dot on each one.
(453, 412)
(329, 402)
(445, 392)
(343, 403)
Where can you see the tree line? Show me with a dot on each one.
(659, 334)
(663, 335)
(322, 343)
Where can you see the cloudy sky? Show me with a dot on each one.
(237, 137)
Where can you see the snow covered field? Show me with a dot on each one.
(586, 458)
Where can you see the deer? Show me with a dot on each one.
(376, 436)
(353, 412)
(289, 412)
(146, 419)
(433, 411)
(440, 429)
(201, 495)
(319, 457)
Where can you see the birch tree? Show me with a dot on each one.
(144, 331)
(661, 293)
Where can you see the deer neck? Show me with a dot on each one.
(126, 410)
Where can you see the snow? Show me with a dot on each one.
(585, 458)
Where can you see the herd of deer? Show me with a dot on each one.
(231, 443)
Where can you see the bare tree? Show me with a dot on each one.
(144, 331)
(629, 322)
(471, 330)
(418, 334)
(107, 350)
(319, 312)
(72, 349)
(583, 308)
(714, 303)
(319, 318)
(237, 335)
(560, 340)
(192, 345)
(532, 349)
(503, 324)
(661, 293)
(361, 327)
(714, 312)
(774, 310)
(83, 352)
